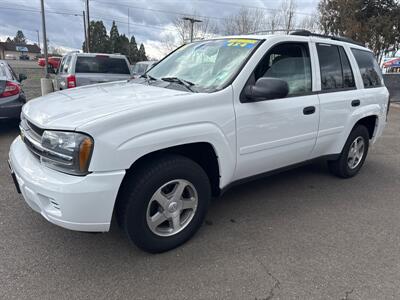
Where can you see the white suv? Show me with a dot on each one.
(154, 150)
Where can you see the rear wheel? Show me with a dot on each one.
(164, 203)
(353, 155)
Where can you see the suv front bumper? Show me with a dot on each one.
(83, 203)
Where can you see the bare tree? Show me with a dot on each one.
(310, 23)
(288, 14)
(201, 31)
(247, 20)
(169, 41)
(274, 21)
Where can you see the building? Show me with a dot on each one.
(18, 49)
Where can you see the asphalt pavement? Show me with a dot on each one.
(302, 234)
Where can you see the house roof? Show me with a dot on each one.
(13, 47)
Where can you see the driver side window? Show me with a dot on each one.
(290, 62)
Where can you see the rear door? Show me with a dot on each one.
(100, 68)
(338, 95)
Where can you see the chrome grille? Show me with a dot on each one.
(31, 135)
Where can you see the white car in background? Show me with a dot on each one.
(10, 57)
(141, 67)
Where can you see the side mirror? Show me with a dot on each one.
(22, 77)
(267, 89)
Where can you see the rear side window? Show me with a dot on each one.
(65, 66)
(370, 72)
(335, 68)
(101, 64)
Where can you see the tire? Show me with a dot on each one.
(342, 166)
(138, 205)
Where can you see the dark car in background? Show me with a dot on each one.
(24, 57)
(12, 97)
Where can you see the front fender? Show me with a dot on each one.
(136, 147)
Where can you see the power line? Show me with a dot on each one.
(158, 10)
(200, 16)
(136, 24)
(38, 11)
(249, 6)
(31, 9)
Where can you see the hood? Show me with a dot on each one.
(72, 108)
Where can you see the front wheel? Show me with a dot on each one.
(164, 203)
(353, 155)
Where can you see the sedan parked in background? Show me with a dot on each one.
(12, 97)
(142, 67)
(54, 62)
(10, 57)
(78, 69)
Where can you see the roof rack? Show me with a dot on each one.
(275, 30)
(334, 38)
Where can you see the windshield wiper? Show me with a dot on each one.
(148, 77)
(183, 82)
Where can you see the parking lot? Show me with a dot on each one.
(300, 234)
(33, 72)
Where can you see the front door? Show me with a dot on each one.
(276, 133)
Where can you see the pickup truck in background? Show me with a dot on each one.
(79, 69)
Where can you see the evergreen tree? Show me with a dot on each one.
(142, 53)
(123, 45)
(99, 40)
(133, 50)
(20, 37)
(114, 38)
(8, 40)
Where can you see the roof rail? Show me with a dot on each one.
(275, 30)
(334, 38)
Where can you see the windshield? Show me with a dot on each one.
(209, 65)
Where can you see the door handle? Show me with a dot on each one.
(309, 110)
(355, 103)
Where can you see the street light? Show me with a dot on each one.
(192, 21)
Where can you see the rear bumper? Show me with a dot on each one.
(73, 202)
(11, 111)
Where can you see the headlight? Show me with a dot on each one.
(68, 152)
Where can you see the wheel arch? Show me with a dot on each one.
(203, 153)
(370, 122)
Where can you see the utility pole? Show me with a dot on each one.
(46, 59)
(129, 36)
(192, 21)
(87, 26)
(85, 32)
(38, 38)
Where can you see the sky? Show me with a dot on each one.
(149, 20)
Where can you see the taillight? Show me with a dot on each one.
(11, 89)
(71, 81)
